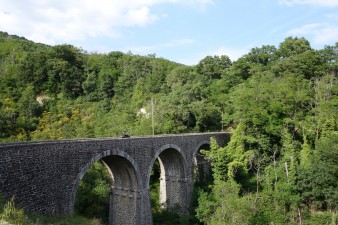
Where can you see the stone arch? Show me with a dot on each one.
(173, 178)
(126, 195)
(200, 145)
(202, 167)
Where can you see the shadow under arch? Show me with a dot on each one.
(202, 174)
(126, 194)
(173, 177)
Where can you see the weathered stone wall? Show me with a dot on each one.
(44, 176)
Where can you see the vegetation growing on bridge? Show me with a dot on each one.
(281, 102)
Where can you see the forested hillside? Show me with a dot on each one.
(281, 165)
(64, 92)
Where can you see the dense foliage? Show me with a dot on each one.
(64, 92)
(11, 215)
(281, 103)
(280, 166)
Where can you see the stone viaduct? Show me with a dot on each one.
(44, 175)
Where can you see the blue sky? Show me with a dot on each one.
(183, 31)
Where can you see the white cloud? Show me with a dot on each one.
(327, 3)
(306, 29)
(320, 33)
(60, 21)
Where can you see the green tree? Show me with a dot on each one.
(305, 154)
(65, 71)
(231, 162)
(293, 46)
(318, 184)
(27, 104)
(224, 205)
(213, 67)
(33, 70)
(308, 64)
